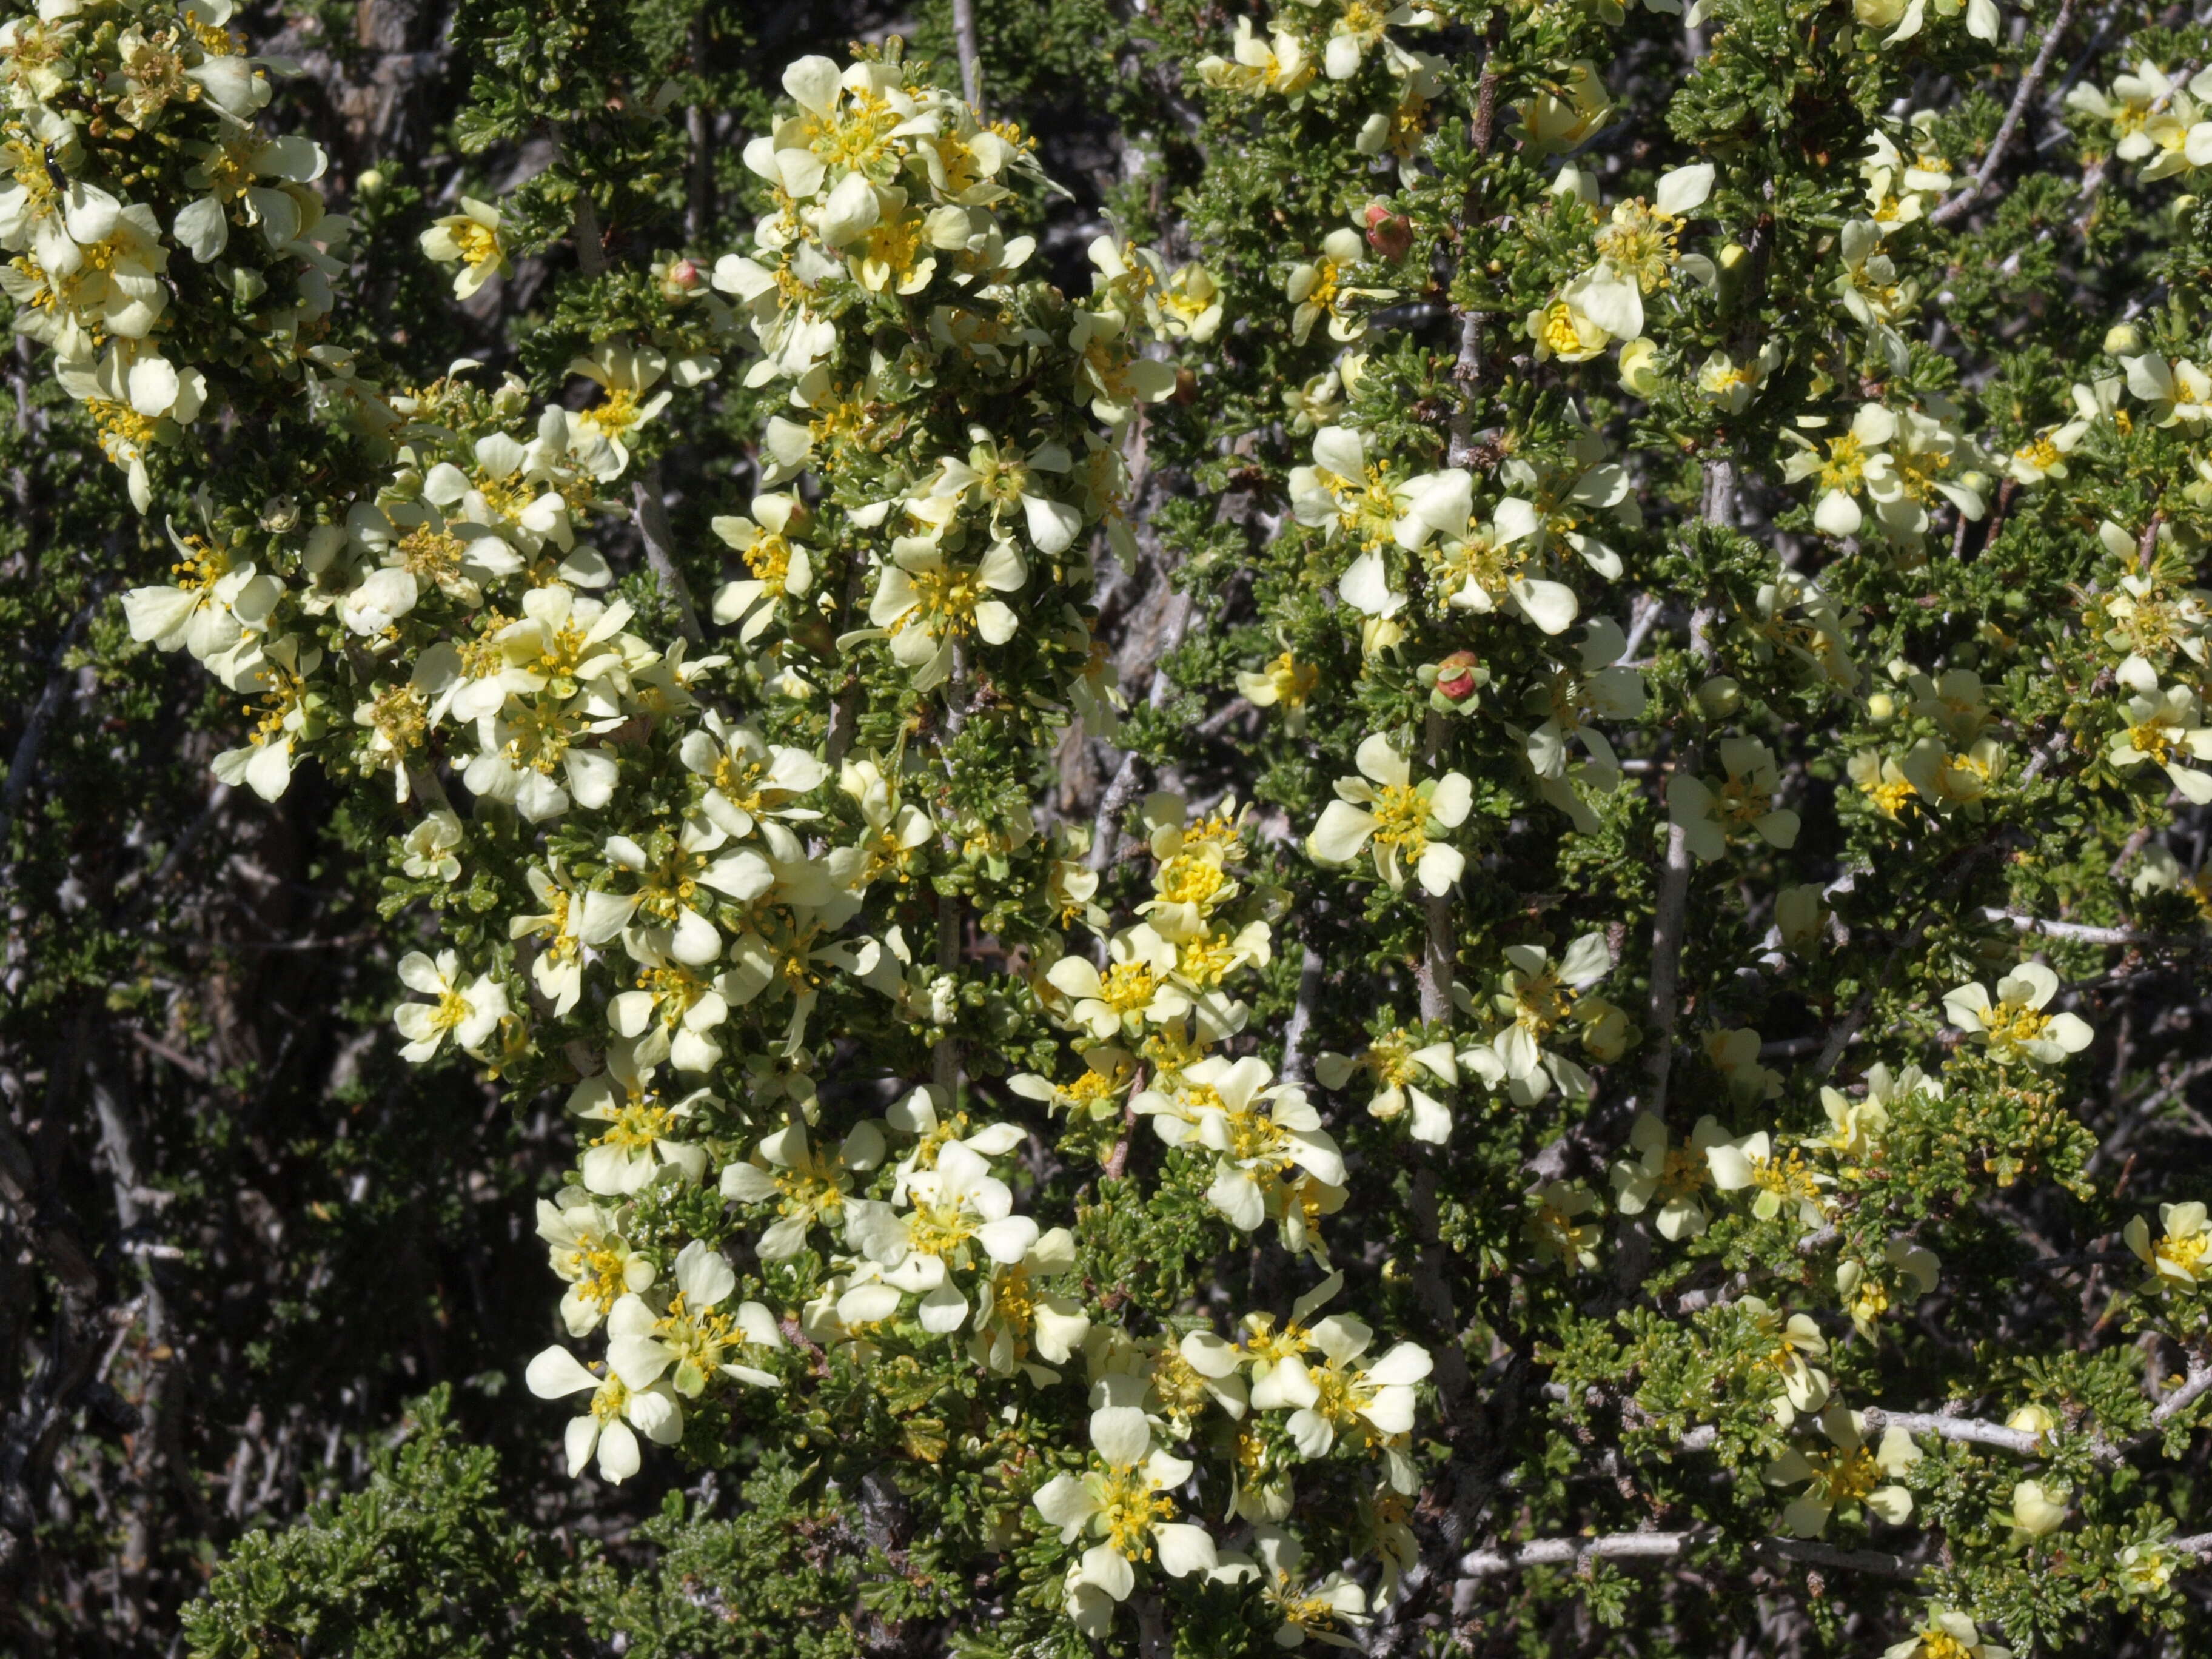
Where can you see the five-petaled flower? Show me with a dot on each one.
(2014, 1025)
(1403, 822)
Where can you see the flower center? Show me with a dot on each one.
(1090, 1088)
(1846, 464)
(1844, 1477)
(452, 1009)
(1130, 1509)
(400, 717)
(674, 989)
(1014, 1300)
(479, 243)
(1293, 681)
(1401, 817)
(600, 1277)
(638, 1125)
(851, 137)
(616, 413)
(1740, 804)
(2154, 738)
(1253, 1139)
(939, 1229)
(811, 1191)
(945, 598)
(1685, 1172)
(1322, 294)
(430, 554)
(1559, 331)
(607, 1404)
(769, 560)
(1640, 244)
(1128, 986)
(1541, 1002)
(2185, 1253)
(1786, 1178)
(894, 243)
(537, 737)
(2012, 1023)
(1187, 880)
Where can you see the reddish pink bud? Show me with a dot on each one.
(1390, 235)
(1455, 676)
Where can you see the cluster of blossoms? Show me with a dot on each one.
(2151, 119)
(91, 278)
(1430, 553)
(697, 887)
(1289, 1393)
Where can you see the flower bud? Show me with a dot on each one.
(2033, 1419)
(1639, 368)
(370, 186)
(1797, 914)
(2123, 338)
(1455, 676)
(1881, 708)
(681, 278)
(1720, 697)
(1390, 235)
(1736, 265)
(2038, 1510)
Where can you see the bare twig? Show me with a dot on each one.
(2140, 1114)
(591, 253)
(699, 202)
(945, 1057)
(1129, 777)
(1972, 1431)
(1671, 914)
(2079, 932)
(1301, 1019)
(24, 765)
(971, 54)
(659, 537)
(2021, 99)
(1438, 951)
(1666, 1545)
(2192, 1389)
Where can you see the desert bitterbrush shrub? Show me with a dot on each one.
(1661, 553)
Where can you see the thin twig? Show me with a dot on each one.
(699, 203)
(1129, 777)
(1671, 914)
(24, 766)
(1969, 1431)
(945, 1057)
(1301, 1019)
(971, 54)
(1965, 198)
(2079, 932)
(1666, 1545)
(659, 537)
(2192, 1389)
(1438, 950)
